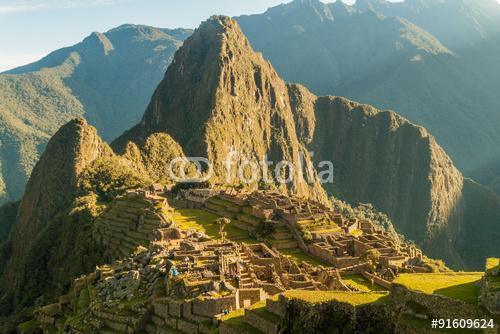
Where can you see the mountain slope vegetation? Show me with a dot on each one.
(467, 21)
(108, 78)
(377, 53)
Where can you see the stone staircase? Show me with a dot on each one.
(118, 321)
(301, 282)
(245, 278)
(282, 237)
(283, 244)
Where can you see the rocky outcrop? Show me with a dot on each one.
(155, 157)
(381, 158)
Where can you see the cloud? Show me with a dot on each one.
(10, 7)
(14, 8)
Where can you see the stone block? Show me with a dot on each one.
(187, 326)
(175, 309)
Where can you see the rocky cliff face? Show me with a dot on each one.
(222, 101)
(381, 158)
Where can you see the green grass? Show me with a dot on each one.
(236, 318)
(315, 297)
(265, 314)
(361, 283)
(299, 256)
(461, 286)
(28, 326)
(202, 220)
(83, 300)
(492, 263)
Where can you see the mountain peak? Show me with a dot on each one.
(341, 9)
(217, 43)
(98, 41)
(220, 98)
(52, 186)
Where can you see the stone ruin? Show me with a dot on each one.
(132, 220)
(490, 286)
(315, 229)
(191, 279)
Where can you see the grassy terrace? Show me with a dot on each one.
(462, 286)
(202, 220)
(315, 297)
(236, 319)
(299, 256)
(361, 283)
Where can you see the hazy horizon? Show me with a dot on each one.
(39, 27)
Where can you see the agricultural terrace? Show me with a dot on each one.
(361, 283)
(457, 285)
(203, 221)
(316, 297)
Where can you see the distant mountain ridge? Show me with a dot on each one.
(466, 21)
(108, 78)
(368, 54)
(390, 62)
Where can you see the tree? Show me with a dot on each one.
(372, 259)
(221, 223)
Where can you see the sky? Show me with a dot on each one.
(30, 29)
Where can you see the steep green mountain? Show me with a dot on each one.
(392, 63)
(222, 101)
(8, 213)
(466, 21)
(51, 243)
(108, 78)
(219, 98)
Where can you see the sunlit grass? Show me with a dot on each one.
(492, 263)
(203, 221)
(462, 286)
(299, 256)
(315, 297)
(361, 283)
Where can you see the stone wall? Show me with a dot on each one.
(377, 280)
(490, 295)
(247, 297)
(434, 306)
(329, 317)
(211, 307)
